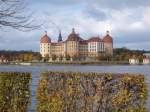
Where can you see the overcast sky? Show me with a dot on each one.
(127, 20)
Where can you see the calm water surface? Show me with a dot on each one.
(36, 70)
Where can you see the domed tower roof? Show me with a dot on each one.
(95, 39)
(45, 39)
(74, 37)
(108, 38)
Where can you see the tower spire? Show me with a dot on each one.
(45, 32)
(107, 32)
(60, 36)
(73, 30)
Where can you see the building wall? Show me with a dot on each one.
(146, 61)
(92, 49)
(134, 61)
(95, 49)
(83, 50)
(101, 47)
(45, 49)
(74, 48)
(58, 49)
(108, 48)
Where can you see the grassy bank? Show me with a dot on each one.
(82, 63)
(92, 63)
(91, 92)
(14, 91)
(109, 63)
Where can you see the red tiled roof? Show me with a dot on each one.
(83, 42)
(74, 37)
(95, 39)
(45, 39)
(108, 39)
(59, 43)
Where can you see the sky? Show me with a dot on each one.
(127, 20)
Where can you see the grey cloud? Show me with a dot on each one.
(132, 37)
(79, 17)
(95, 13)
(117, 4)
(114, 4)
(141, 46)
(59, 2)
(15, 40)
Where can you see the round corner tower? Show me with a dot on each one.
(108, 44)
(45, 43)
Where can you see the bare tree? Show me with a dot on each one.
(12, 14)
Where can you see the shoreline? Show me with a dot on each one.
(110, 63)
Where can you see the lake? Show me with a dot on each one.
(36, 70)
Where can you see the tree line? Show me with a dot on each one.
(124, 54)
(20, 55)
(120, 54)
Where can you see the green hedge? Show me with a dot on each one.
(14, 91)
(91, 92)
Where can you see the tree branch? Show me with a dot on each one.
(12, 14)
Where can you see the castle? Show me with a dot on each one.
(75, 46)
